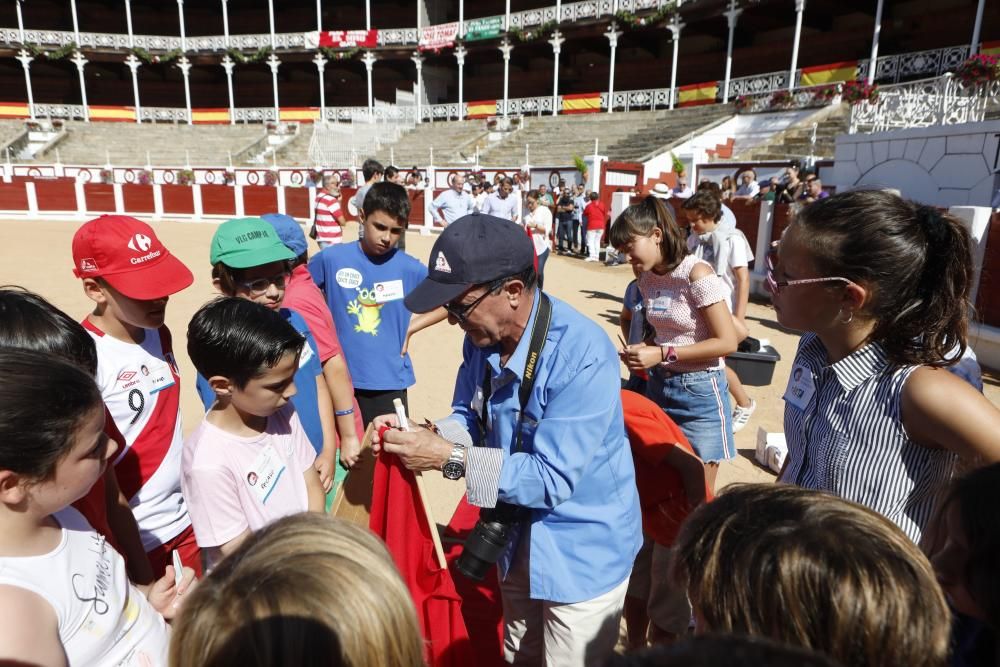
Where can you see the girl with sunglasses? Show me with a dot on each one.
(880, 287)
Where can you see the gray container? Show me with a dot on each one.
(755, 369)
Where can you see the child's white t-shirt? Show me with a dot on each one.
(233, 483)
(737, 250)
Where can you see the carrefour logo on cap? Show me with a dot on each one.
(252, 236)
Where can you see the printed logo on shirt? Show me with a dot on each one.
(349, 278)
(441, 263)
(129, 379)
(140, 243)
(367, 309)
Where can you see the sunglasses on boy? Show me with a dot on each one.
(777, 285)
(260, 285)
(460, 311)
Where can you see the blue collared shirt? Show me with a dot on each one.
(580, 202)
(574, 469)
(501, 207)
(453, 205)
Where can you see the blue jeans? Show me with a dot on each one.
(699, 403)
(564, 232)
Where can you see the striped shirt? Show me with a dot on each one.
(845, 434)
(328, 230)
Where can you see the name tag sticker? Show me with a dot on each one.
(263, 475)
(305, 355)
(800, 387)
(157, 376)
(390, 290)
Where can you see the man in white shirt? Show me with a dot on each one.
(502, 204)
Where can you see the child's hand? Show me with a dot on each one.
(640, 356)
(324, 466)
(350, 451)
(165, 596)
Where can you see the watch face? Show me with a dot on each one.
(453, 470)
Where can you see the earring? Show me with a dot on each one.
(841, 320)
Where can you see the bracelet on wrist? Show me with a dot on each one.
(344, 413)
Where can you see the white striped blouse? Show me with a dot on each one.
(845, 435)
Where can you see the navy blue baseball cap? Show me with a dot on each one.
(289, 231)
(474, 250)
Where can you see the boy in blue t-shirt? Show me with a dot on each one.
(364, 283)
(249, 260)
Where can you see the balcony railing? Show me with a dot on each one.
(944, 100)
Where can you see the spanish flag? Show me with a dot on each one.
(582, 103)
(119, 114)
(14, 110)
(300, 114)
(831, 73)
(696, 94)
(481, 109)
(210, 116)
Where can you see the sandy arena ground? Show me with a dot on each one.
(36, 255)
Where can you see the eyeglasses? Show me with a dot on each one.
(260, 285)
(460, 311)
(777, 285)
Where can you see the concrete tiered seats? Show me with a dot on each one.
(168, 145)
(795, 142)
(623, 136)
(9, 129)
(453, 143)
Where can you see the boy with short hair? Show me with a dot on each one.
(729, 253)
(364, 283)
(249, 462)
(129, 275)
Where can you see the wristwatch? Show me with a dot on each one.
(454, 467)
(669, 354)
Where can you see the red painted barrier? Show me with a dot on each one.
(416, 208)
(218, 200)
(346, 195)
(259, 199)
(57, 194)
(297, 203)
(747, 221)
(13, 197)
(781, 220)
(988, 297)
(178, 199)
(99, 197)
(138, 198)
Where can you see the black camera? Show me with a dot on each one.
(489, 538)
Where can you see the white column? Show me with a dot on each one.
(319, 15)
(228, 64)
(505, 48)
(612, 34)
(320, 62)
(128, 22)
(76, 24)
(460, 54)
(25, 58)
(225, 22)
(977, 26)
(80, 61)
(418, 60)
(556, 42)
(273, 62)
(180, 14)
(675, 36)
(461, 19)
(800, 5)
(558, 11)
(185, 66)
(20, 21)
(732, 14)
(506, 17)
(369, 60)
(270, 18)
(133, 64)
(368, 14)
(873, 60)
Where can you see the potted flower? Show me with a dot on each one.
(316, 177)
(107, 176)
(742, 103)
(979, 69)
(184, 177)
(228, 177)
(824, 95)
(271, 178)
(856, 92)
(781, 99)
(145, 177)
(346, 180)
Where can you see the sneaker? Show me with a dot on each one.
(741, 416)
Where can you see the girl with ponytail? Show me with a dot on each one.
(880, 286)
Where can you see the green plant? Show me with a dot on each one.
(257, 56)
(339, 54)
(152, 59)
(676, 164)
(522, 35)
(980, 68)
(856, 92)
(781, 99)
(580, 164)
(62, 52)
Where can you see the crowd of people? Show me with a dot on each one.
(123, 542)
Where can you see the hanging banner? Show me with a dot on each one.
(437, 37)
(214, 116)
(831, 73)
(485, 28)
(481, 109)
(14, 110)
(111, 113)
(341, 39)
(581, 103)
(696, 94)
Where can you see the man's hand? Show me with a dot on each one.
(324, 466)
(418, 448)
(641, 356)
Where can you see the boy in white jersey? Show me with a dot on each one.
(129, 275)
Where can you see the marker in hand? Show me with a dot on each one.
(178, 569)
(404, 423)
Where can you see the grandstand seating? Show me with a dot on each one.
(9, 130)
(128, 143)
(795, 142)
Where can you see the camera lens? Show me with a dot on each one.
(488, 539)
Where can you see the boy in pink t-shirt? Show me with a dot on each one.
(249, 462)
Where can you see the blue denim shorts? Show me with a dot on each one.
(698, 402)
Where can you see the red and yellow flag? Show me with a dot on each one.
(210, 116)
(582, 103)
(829, 73)
(299, 114)
(696, 94)
(481, 109)
(119, 114)
(14, 110)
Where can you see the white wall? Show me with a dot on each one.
(946, 165)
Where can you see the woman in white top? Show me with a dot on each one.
(538, 222)
(65, 598)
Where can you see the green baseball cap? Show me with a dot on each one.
(242, 243)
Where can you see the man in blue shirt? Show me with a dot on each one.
(502, 204)
(563, 459)
(453, 203)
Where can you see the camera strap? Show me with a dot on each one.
(543, 318)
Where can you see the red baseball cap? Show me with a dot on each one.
(126, 253)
